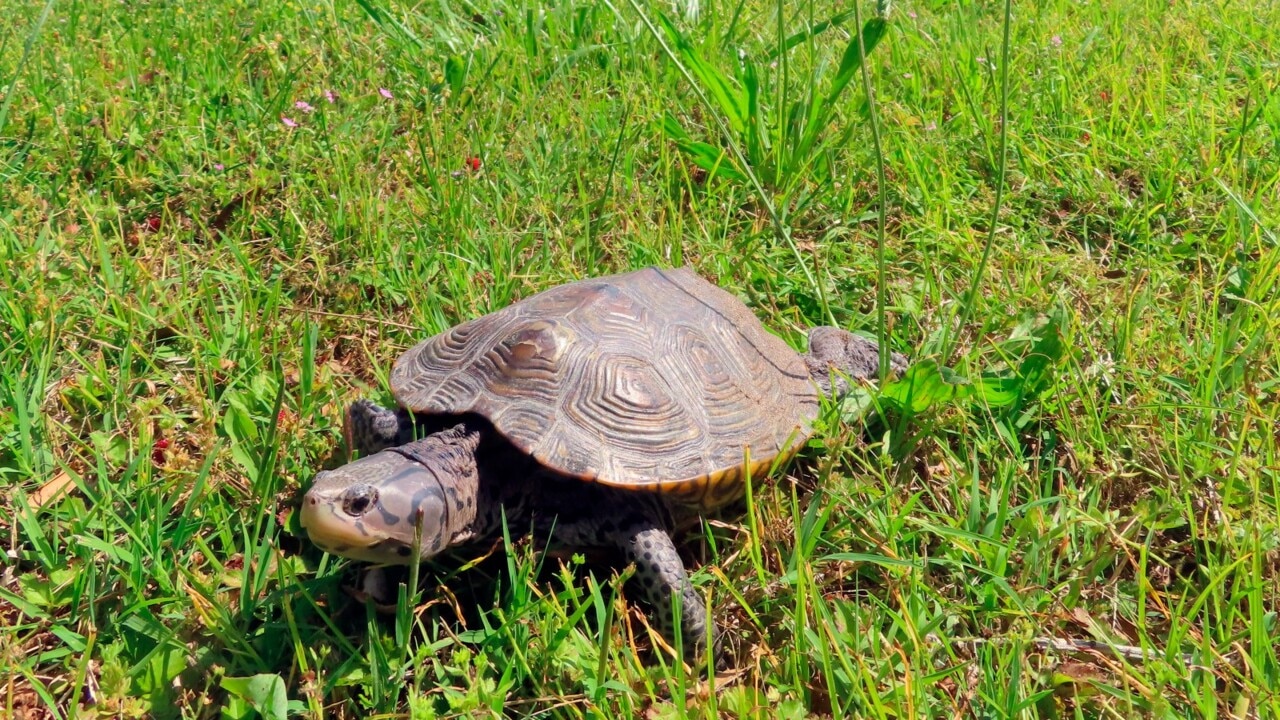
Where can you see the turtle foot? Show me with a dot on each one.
(837, 356)
(371, 428)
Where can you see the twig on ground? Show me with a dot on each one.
(1069, 645)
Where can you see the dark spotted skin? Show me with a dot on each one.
(562, 511)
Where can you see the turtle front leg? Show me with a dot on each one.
(371, 428)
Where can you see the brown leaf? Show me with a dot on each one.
(52, 490)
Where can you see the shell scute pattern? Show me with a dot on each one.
(654, 379)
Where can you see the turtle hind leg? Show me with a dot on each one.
(837, 356)
(661, 578)
(371, 428)
(636, 524)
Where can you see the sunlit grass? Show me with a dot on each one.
(192, 289)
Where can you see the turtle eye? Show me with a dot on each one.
(357, 500)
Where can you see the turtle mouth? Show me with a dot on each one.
(374, 509)
(333, 531)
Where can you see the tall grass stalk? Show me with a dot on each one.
(873, 119)
(966, 311)
(27, 46)
(780, 229)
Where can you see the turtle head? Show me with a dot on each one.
(379, 507)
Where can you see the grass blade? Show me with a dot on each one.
(27, 46)
(971, 296)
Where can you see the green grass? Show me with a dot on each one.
(191, 291)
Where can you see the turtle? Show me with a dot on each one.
(602, 413)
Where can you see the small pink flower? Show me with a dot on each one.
(288, 122)
(931, 127)
(911, 15)
(219, 167)
(1056, 41)
(331, 96)
(303, 106)
(386, 93)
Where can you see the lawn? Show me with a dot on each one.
(221, 222)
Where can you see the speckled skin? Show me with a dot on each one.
(457, 484)
(465, 479)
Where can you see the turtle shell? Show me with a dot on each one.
(650, 380)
